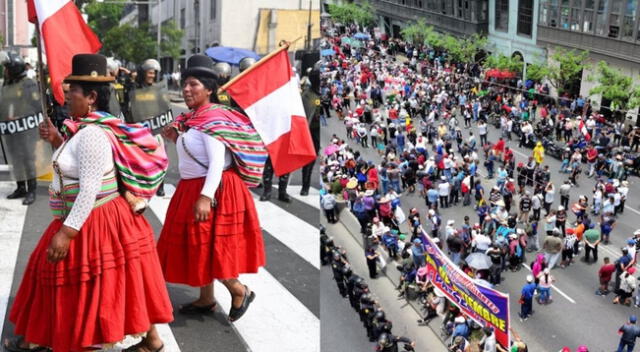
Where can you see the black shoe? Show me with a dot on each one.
(160, 192)
(20, 192)
(29, 198)
(304, 192)
(237, 313)
(192, 309)
(284, 198)
(265, 197)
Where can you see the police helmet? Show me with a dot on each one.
(15, 65)
(323, 230)
(151, 64)
(246, 63)
(363, 284)
(223, 70)
(336, 255)
(366, 297)
(384, 340)
(380, 315)
(346, 270)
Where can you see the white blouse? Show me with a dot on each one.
(208, 151)
(87, 158)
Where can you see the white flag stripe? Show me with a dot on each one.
(271, 115)
(46, 8)
(298, 235)
(12, 216)
(277, 321)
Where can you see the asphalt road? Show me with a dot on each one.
(577, 316)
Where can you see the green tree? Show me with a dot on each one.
(470, 47)
(502, 62)
(537, 71)
(171, 38)
(103, 17)
(416, 32)
(129, 43)
(568, 69)
(615, 86)
(361, 13)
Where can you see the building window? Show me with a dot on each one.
(627, 22)
(587, 21)
(212, 9)
(525, 17)
(502, 15)
(183, 18)
(601, 18)
(575, 20)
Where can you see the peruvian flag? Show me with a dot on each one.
(269, 94)
(584, 131)
(64, 33)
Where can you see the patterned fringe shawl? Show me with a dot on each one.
(140, 158)
(236, 132)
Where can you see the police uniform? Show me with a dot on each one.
(24, 95)
(313, 109)
(337, 267)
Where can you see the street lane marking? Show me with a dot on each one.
(12, 216)
(312, 199)
(555, 288)
(297, 234)
(264, 329)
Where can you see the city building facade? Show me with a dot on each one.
(15, 30)
(257, 25)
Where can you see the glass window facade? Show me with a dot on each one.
(616, 19)
(525, 17)
(502, 15)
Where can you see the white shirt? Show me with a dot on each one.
(209, 151)
(443, 189)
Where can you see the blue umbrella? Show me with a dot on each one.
(362, 36)
(327, 52)
(230, 55)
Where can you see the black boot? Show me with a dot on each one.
(265, 196)
(304, 191)
(283, 197)
(20, 192)
(30, 197)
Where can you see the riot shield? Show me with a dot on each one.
(150, 106)
(114, 102)
(20, 114)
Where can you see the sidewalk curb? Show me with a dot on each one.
(352, 225)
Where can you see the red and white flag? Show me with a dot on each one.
(270, 96)
(584, 131)
(64, 33)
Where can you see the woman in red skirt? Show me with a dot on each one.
(94, 276)
(211, 230)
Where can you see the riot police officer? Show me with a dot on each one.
(326, 245)
(313, 109)
(389, 343)
(351, 283)
(223, 71)
(337, 265)
(21, 147)
(380, 324)
(360, 288)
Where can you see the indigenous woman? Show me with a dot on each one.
(211, 230)
(94, 276)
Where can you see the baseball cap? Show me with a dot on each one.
(633, 319)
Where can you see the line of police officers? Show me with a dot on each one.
(137, 97)
(356, 289)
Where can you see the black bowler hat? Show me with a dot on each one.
(199, 65)
(89, 68)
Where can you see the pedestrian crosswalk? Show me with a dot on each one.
(284, 316)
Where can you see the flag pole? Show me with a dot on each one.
(284, 45)
(43, 80)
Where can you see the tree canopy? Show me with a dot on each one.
(614, 86)
(502, 62)
(361, 13)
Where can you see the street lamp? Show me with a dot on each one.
(142, 2)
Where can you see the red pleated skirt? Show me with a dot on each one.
(108, 286)
(226, 245)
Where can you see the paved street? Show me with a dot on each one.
(576, 316)
(285, 315)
